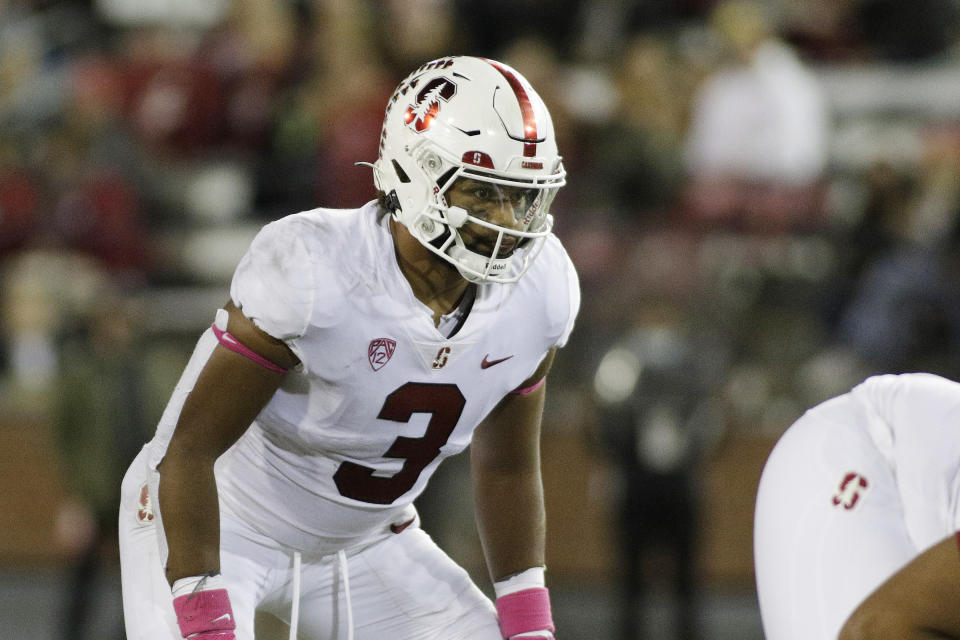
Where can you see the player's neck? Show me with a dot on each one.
(435, 282)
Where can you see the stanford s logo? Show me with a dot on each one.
(420, 115)
(851, 489)
(441, 358)
(380, 351)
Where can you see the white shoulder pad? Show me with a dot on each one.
(274, 281)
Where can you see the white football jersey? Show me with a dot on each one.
(913, 419)
(381, 396)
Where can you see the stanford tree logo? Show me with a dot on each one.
(420, 115)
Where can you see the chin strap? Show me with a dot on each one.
(476, 267)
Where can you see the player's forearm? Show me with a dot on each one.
(511, 520)
(230, 390)
(190, 511)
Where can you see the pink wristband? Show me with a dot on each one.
(227, 340)
(524, 611)
(205, 611)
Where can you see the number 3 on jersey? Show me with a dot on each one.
(444, 403)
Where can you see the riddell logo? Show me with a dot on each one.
(526, 164)
(532, 210)
(421, 114)
(851, 489)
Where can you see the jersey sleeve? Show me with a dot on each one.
(273, 283)
(563, 297)
(573, 299)
(922, 411)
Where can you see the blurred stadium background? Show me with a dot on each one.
(762, 205)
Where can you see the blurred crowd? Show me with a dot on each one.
(141, 142)
(762, 199)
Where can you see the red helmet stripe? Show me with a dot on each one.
(526, 109)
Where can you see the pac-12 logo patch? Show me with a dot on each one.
(380, 351)
(850, 491)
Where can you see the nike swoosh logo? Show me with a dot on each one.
(397, 528)
(489, 363)
(225, 616)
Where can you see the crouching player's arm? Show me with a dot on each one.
(508, 494)
(919, 602)
(241, 374)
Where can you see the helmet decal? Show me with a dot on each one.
(410, 82)
(421, 114)
(530, 138)
(478, 159)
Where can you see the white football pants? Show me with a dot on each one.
(401, 586)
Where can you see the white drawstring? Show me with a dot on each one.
(345, 573)
(295, 608)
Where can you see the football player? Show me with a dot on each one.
(857, 513)
(358, 349)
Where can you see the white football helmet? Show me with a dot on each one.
(477, 123)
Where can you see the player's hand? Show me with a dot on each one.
(525, 615)
(203, 608)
